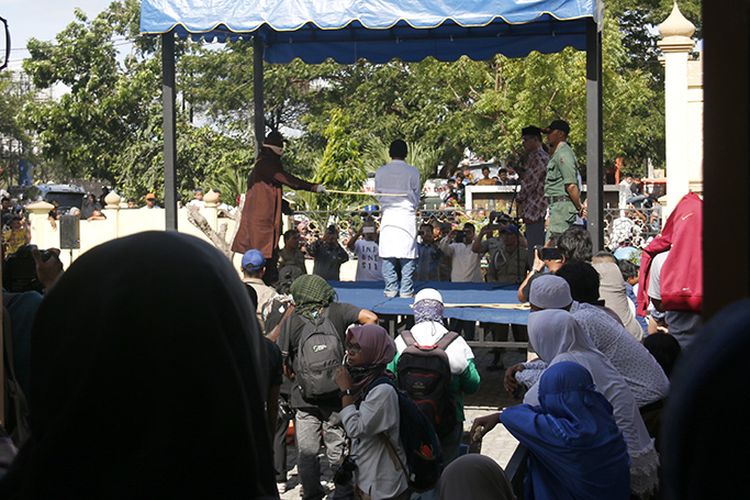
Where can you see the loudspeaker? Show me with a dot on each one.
(70, 232)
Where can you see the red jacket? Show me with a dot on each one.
(681, 280)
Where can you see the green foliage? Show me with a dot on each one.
(341, 165)
(109, 124)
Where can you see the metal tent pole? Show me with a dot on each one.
(170, 141)
(259, 118)
(594, 176)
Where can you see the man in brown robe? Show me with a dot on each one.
(260, 226)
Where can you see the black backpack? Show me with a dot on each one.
(424, 457)
(320, 352)
(424, 373)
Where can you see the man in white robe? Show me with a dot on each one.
(398, 225)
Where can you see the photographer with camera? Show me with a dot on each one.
(547, 259)
(464, 262)
(429, 255)
(465, 268)
(507, 249)
(27, 274)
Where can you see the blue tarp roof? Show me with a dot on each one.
(380, 30)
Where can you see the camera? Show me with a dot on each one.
(500, 218)
(20, 270)
(345, 472)
(459, 236)
(548, 253)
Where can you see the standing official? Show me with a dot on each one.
(531, 202)
(398, 225)
(260, 226)
(561, 186)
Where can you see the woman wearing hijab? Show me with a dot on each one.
(159, 403)
(555, 336)
(371, 414)
(474, 476)
(575, 449)
(260, 225)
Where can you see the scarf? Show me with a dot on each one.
(428, 310)
(474, 476)
(377, 350)
(311, 294)
(154, 391)
(575, 447)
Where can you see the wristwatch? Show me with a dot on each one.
(347, 392)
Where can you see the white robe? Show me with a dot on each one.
(398, 224)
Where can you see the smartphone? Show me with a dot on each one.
(550, 253)
(459, 237)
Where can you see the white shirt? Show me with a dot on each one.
(196, 203)
(368, 261)
(464, 262)
(428, 333)
(398, 225)
(377, 474)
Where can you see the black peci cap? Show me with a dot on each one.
(531, 130)
(561, 125)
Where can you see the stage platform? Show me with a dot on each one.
(369, 295)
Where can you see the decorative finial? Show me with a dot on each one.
(676, 25)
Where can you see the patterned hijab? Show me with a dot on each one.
(311, 294)
(428, 310)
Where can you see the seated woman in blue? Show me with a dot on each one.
(576, 450)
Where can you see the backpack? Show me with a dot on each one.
(424, 456)
(424, 373)
(320, 352)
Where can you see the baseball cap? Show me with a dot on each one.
(253, 260)
(561, 125)
(550, 292)
(510, 228)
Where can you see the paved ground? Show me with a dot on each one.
(498, 444)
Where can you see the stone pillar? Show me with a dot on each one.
(210, 210)
(43, 234)
(676, 45)
(112, 211)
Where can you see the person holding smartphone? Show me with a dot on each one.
(547, 259)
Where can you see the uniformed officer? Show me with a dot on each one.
(561, 185)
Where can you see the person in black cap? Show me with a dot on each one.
(532, 207)
(561, 186)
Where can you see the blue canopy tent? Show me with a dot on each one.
(378, 31)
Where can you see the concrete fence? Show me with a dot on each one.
(119, 222)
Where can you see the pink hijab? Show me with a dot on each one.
(377, 350)
(377, 346)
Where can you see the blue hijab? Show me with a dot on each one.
(575, 449)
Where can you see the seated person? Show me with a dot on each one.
(575, 447)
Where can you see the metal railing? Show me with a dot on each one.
(633, 226)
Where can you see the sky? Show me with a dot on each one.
(41, 19)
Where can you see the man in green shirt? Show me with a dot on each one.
(561, 185)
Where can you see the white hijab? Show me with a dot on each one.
(555, 336)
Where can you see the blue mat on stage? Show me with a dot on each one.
(369, 295)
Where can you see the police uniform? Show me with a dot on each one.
(562, 170)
